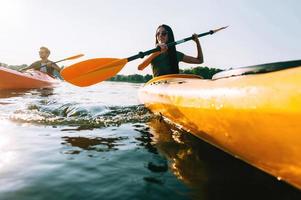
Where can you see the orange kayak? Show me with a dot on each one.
(254, 117)
(11, 79)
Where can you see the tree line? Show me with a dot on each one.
(204, 72)
(14, 67)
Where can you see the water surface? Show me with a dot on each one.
(100, 143)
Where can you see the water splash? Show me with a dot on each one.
(80, 117)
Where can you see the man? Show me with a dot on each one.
(44, 65)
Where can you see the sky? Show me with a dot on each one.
(261, 31)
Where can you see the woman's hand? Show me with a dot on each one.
(195, 38)
(163, 47)
(195, 60)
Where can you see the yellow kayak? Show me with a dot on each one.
(255, 117)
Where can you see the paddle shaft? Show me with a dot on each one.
(53, 62)
(142, 54)
(69, 58)
(58, 61)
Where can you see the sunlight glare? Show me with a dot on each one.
(6, 155)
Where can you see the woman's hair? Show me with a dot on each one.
(172, 52)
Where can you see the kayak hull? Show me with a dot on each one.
(11, 79)
(255, 118)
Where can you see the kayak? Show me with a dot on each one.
(12, 79)
(254, 117)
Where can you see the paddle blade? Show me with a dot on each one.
(92, 71)
(148, 60)
(219, 29)
(74, 57)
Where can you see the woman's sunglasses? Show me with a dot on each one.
(163, 33)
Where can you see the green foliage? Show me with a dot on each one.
(135, 78)
(14, 67)
(204, 72)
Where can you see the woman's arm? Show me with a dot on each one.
(199, 59)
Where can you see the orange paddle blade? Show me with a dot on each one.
(148, 60)
(92, 71)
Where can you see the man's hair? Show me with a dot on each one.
(46, 49)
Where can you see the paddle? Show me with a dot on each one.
(69, 58)
(147, 61)
(95, 70)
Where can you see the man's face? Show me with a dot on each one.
(43, 53)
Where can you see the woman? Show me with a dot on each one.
(44, 65)
(167, 62)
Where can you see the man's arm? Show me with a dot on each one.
(34, 65)
(54, 66)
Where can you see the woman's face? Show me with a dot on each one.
(162, 35)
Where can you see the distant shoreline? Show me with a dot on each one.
(205, 72)
(14, 67)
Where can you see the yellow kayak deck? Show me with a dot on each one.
(254, 117)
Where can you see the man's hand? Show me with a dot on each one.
(49, 64)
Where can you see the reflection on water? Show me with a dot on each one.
(96, 144)
(145, 138)
(16, 93)
(6, 157)
(211, 173)
(45, 92)
(11, 93)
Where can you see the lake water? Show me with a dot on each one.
(100, 143)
